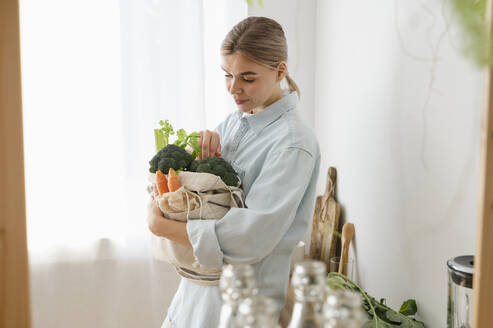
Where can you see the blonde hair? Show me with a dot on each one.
(262, 40)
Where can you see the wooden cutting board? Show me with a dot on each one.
(323, 240)
(325, 221)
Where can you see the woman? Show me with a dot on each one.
(277, 158)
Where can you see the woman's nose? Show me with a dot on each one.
(234, 87)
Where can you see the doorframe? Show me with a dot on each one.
(14, 268)
(482, 315)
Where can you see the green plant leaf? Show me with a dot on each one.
(402, 321)
(476, 43)
(167, 130)
(182, 138)
(379, 314)
(409, 307)
(193, 141)
(260, 3)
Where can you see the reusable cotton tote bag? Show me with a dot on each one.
(202, 196)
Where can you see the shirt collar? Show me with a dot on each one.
(272, 112)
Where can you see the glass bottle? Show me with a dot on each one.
(460, 291)
(343, 309)
(237, 282)
(257, 312)
(309, 287)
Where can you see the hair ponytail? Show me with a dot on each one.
(292, 85)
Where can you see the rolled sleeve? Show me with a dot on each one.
(247, 235)
(206, 249)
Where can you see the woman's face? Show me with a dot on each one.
(252, 86)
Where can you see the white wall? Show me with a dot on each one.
(404, 135)
(397, 111)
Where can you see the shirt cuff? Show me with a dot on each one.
(206, 250)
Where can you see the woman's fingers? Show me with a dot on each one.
(206, 144)
(153, 208)
(209, 143)
(214, 146)
(218, 151)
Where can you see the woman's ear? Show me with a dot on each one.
(282, 70)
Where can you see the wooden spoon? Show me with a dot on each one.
(347, 236)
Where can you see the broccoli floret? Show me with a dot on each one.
(170, 156)
(217, 166)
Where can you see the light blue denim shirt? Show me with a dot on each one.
(277, 157)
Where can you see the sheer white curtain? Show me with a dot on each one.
(97, 77)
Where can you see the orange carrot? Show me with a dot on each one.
(161, 183)
(173, 183)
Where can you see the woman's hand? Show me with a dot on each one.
(210, 144)
(154, 216)
(163, 227)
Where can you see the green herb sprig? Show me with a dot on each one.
(161, 136)
(183, 140)
(191, 140)
(380, 315)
